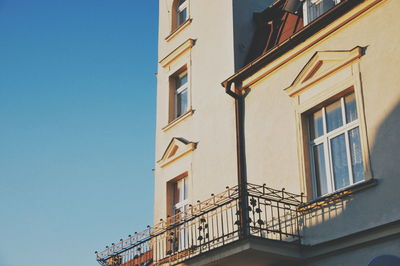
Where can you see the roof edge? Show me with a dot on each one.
(297, 38)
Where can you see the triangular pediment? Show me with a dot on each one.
(177, 148)
(320, 65)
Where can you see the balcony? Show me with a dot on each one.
(260, 226)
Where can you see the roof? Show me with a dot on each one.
(274, 25)
(269, 43)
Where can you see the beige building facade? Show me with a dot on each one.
(294, 160)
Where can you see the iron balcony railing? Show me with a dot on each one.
(272, 214)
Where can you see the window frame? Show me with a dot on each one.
(176, 24)
(316, 85)
(181, 7)
(325, 140)
(183, 197)
(183, 88)
(309, 9)
(174, 114)
(182, 204)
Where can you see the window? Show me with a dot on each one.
(180, 94)
(312, 9)
(335, 146)
(181, 13)
(180, 196)
(179, 204)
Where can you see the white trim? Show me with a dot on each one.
(179, 91)
(181, 205)
(325, 140)
(312, 9)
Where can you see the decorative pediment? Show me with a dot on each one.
(321, 65)
(178, 52)
(177, 148)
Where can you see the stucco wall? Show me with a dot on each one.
(212, 166)
(358, 256)
(271, 138)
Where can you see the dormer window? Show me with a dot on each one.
(181, 12)
(312, 9)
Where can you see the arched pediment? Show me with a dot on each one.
(322, 64)
(177, 148)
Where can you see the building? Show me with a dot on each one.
(295, 160)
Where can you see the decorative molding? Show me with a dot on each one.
(177, 30)
(286, 56)
(177, 148)
(327, 75)
(175, 54)
(321, 65)
(178, 120)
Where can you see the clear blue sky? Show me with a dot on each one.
(77, 120)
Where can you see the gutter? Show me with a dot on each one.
(239, 97)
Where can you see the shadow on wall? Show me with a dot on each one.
(348, 213)
(385, 260)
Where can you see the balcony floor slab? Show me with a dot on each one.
(251, 251)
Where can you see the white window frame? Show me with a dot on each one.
(183, 194)
(181, 205)
(180, 90)
(312, 9)
(325, 140)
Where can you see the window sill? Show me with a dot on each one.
(177, 30)
(178, 120)
(337, 195)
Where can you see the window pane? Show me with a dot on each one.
(185, 189)
(181, 17)
(316, 125)
(181, 80)
(320, 170)
(176, 193)
(334, 116)
(317, 8)
(328, 4)
(356, 156)
(339, 161)
(351, 108)
(182, 103)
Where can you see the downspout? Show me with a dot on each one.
(244, 230)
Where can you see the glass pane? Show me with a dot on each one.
(356, 156)
(176, 193)
(181, 17)
(181, 80)
(328, 4)
(314, 11)
(316, 125)
(182, 103)
(339, 162)
(185, 189)
(333, 116)
(320, 170)
(351, 108)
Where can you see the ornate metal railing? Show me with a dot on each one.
(273, 214)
